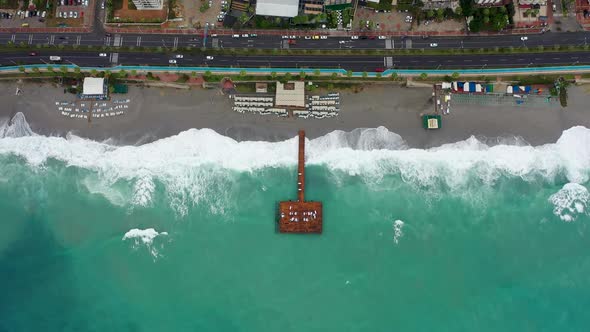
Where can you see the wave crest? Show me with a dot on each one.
(191, 163)
(570, 201)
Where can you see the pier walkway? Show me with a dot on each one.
(300, 216)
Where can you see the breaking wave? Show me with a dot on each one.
(570, 202)
(189, 163)
(145, 237)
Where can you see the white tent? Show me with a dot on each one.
(93, 86)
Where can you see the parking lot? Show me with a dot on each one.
(380, 21)
(193, 17)
(67, 13)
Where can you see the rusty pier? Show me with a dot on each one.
(300, 216)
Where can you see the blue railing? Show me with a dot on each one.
(221, 70)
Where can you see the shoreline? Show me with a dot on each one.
(156, 113)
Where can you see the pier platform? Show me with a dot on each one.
(300, 216)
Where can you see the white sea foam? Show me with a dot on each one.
(145, 237)
(570, 201)
(398, 232)
(189, 163)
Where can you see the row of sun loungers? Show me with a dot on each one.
(94, 115)
(255, 99)
(261, 110)
(315, 114)
(252, 104)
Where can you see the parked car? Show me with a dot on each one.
(433, 44)
(236, 36)
(523, 38)
(354, 37)
(307, 37)
(209, 57)
(382, 37)
(102, 55)
(245, 35)
(323, 37)
(253, 35)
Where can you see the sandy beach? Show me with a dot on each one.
(161, 112)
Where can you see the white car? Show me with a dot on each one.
(179, 56)
(43, 14)
(433, 44)
(382, 37)
(75, 14)
(293, 37)
(285, 37)
(102, 5)
(341, 42)
(209, 57)
(71, 14)
(323, 37)
(172, 61)
(354, 37)
(102, 55)
(245, 35)
(523, 38)
(235, 36)
(307, 37)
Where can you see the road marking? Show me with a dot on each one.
(52, 40)
(78, 39)
(388, 61)
(13, 38)
(107, 41)
(388, 44)
(138, 41)
(30, 39)
(114, 58)
(175, 43)
(408, 43)
(117, 41)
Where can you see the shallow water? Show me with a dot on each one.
(180, 235)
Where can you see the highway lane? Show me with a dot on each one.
(549, 39)
(355, 62)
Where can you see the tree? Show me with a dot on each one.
(134, 72)
(36, 70)
(93, 72)
(430, 14)
(466, 7)
(440, 14)
(317, 73)
(334, 76)
(486, 12)
(455, 75)
(378, 75)
(365, 74)
(287, 76)
(302, 75)
(243, 73)
(423, 76)
(273, 75)
(50, 69)
(122, 73)
(393, 76)
(459, 11)
(77, 70)
(486, 20)
(21, 69)
(63, 69)
(349, 73)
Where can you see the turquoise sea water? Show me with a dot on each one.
(179, 235)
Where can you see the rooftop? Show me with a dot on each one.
(281, 8)
(291, 94)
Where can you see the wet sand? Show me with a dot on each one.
(161, 112)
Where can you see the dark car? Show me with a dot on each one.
(33, 53)
(364, 37)
(107, 34)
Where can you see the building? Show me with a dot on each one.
(290, 94)
(148, 4)
(94, 88)
(337, 4)
(280, 8)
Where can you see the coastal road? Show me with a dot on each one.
(352, 62)
(97, 38)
